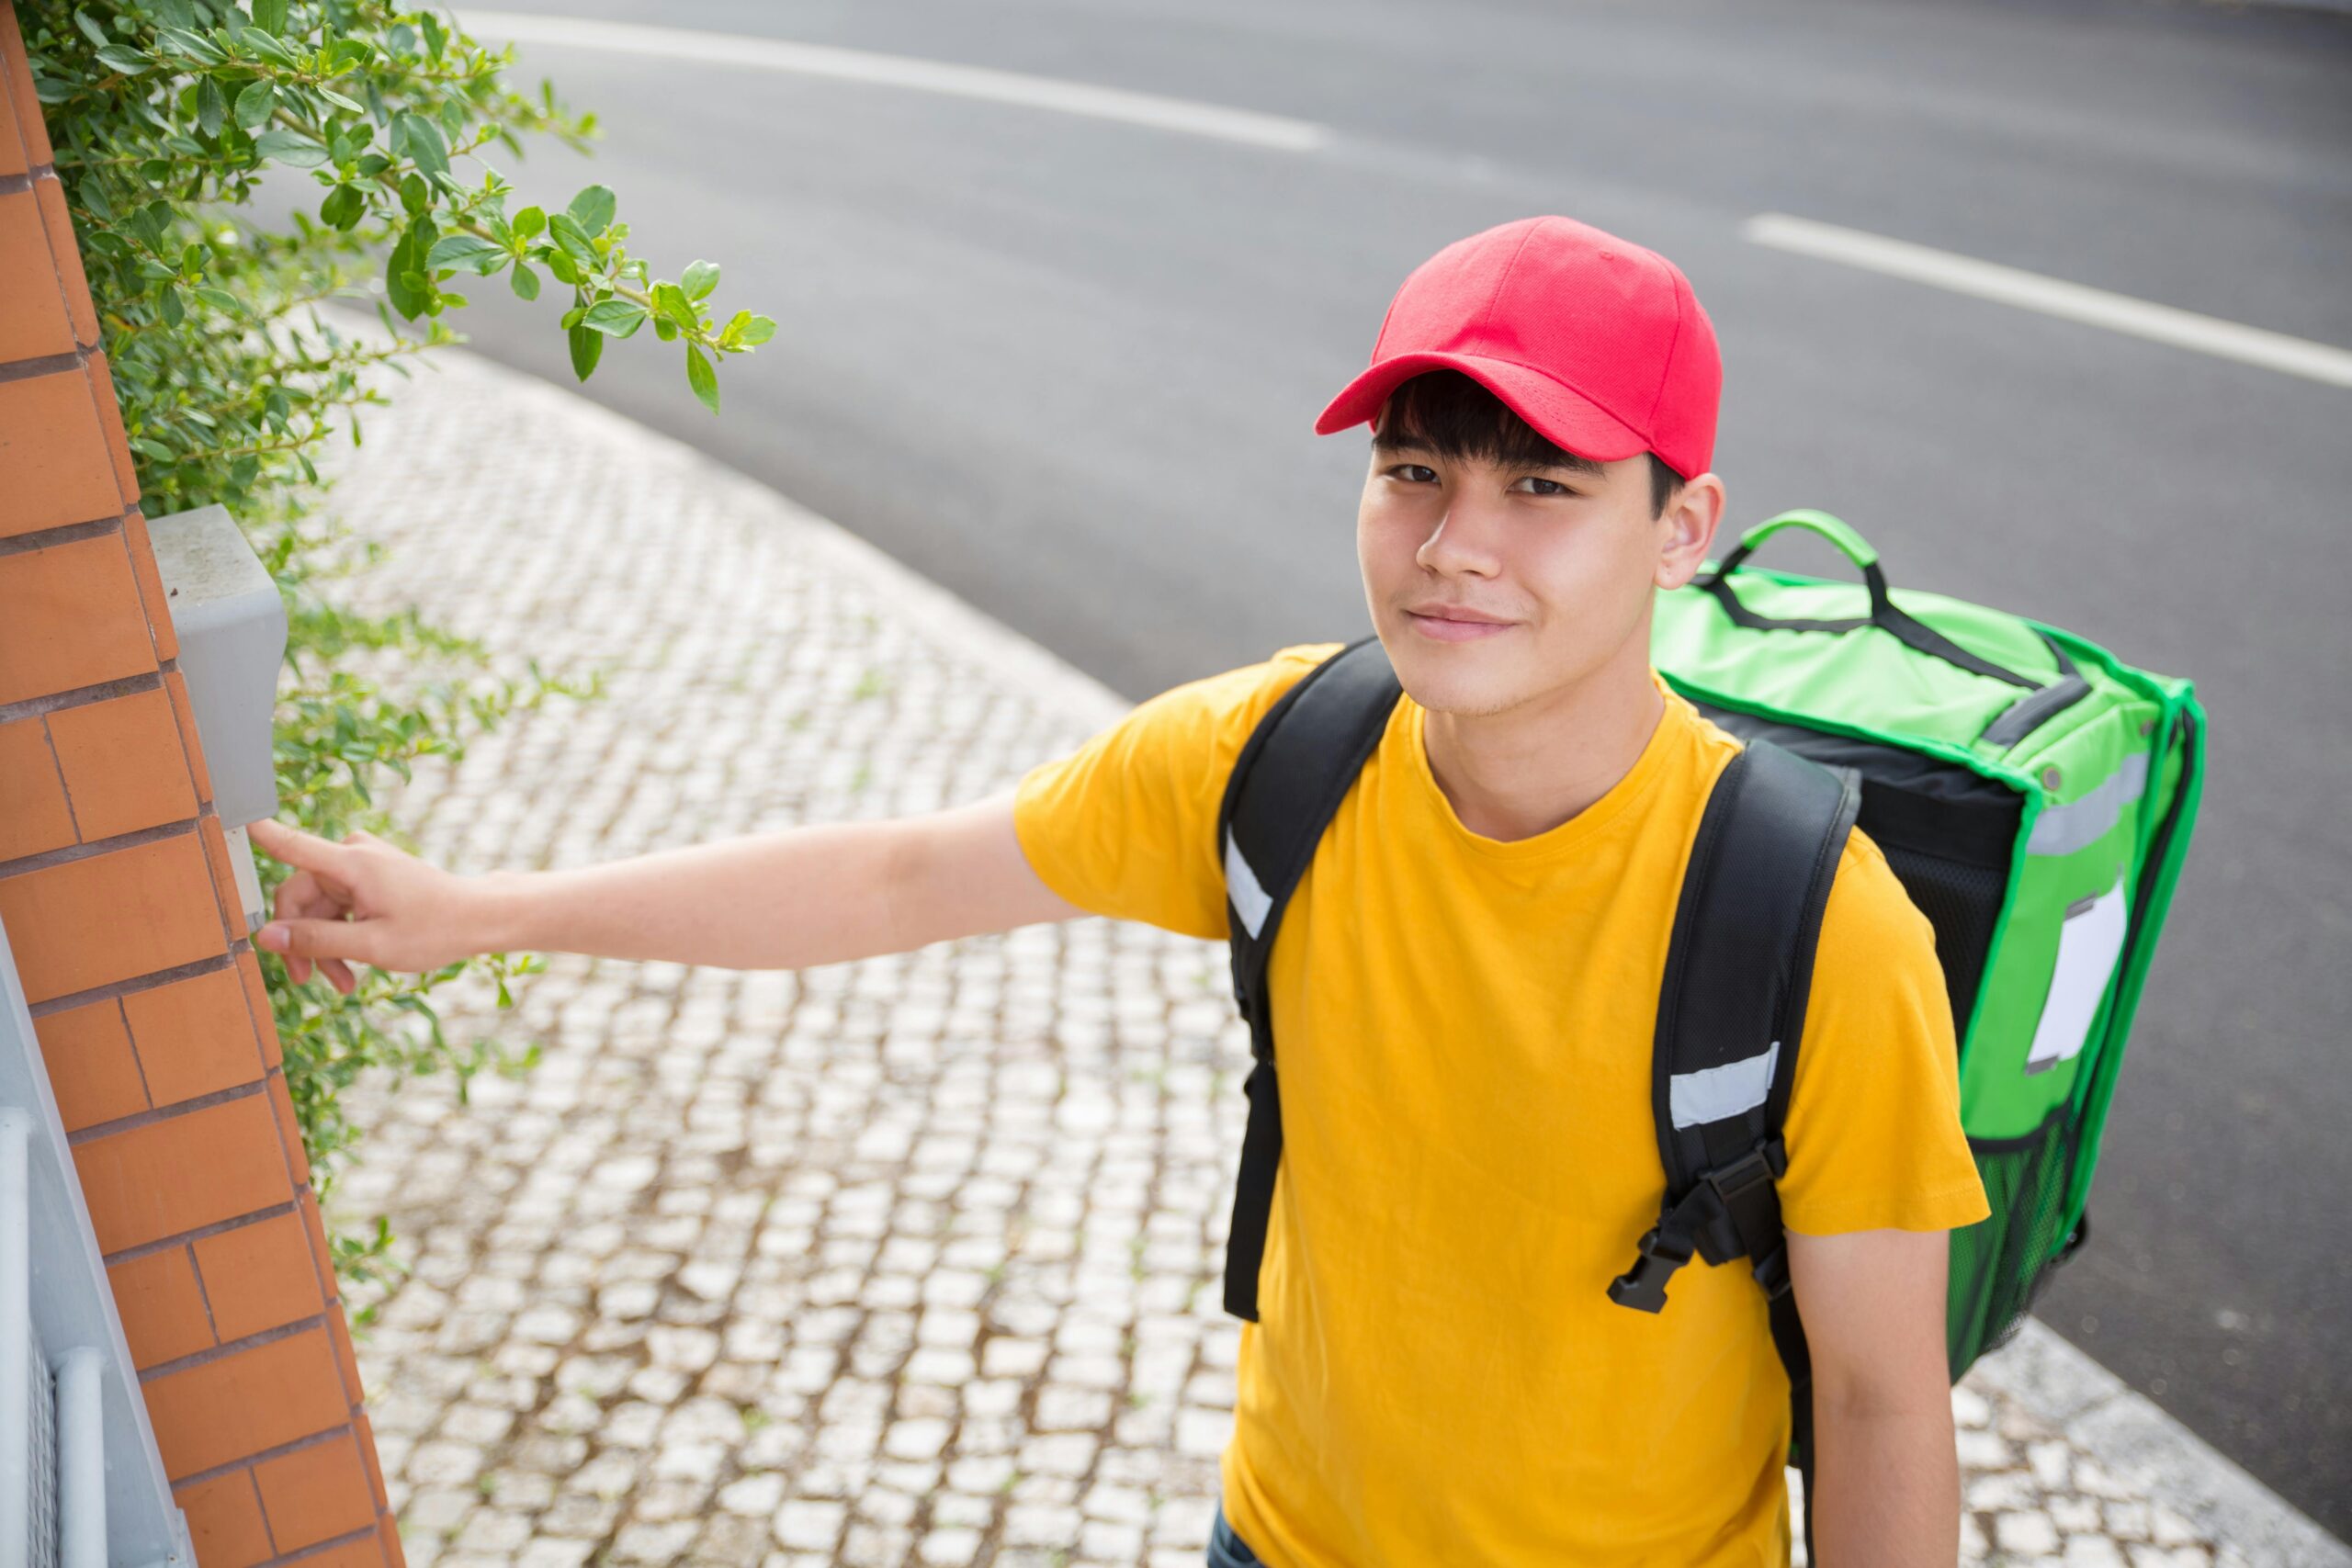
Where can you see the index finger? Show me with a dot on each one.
(295, 847)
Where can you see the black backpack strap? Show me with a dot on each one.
(1295, 768)
(1731, 1014)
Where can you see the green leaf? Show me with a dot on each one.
(211, 107)
(220, 300)
(90, 28)
(671, 301)
(526, 282)
(398, 269)
(702, 377)
(419, 139)
(565, 269)
(121, 57)
(700, 279)
(196, 46)
(464, 252)
(290, 148)
(255, 104)
(593, 209)
(530, 224)
(344, 207)
(573, 239)
(415, 195)
(587, 347)
(270, 15)
(437, 37)
(758, 330)
(616, 317)
(261, 41)
(666, 329)
(339, 101)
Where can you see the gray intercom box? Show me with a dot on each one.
(231, 629)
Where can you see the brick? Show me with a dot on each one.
(54, 466)
(394, 1556)
(315, 1494)
(175, 687)
(367, 1432)
(92, 1069)
(34, 816)
(372, 1552)
(32, 311)
(194, 1037)
(20, 89)
(346, 1357)
(110, 411)
(179, 1172)
(257, 998)
(225, 1520)
(69, 615)
(152, 592)
(248, 1400)
(111, 916)
(12, 151)
(162, 1309)
(224, 878)
(65, 254)
(258, 1276)
(289, 1129)
(123, 764)
(315, 1229)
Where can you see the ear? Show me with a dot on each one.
(1686, 530)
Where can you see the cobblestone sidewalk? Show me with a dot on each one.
(910, 1261)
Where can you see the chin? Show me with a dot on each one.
(1466, 679)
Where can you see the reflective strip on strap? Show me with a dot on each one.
(1715, 1094)
(2078, 824)
(1250, 900)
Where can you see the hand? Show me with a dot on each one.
(361, 900)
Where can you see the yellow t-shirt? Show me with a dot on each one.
(1465, 1027)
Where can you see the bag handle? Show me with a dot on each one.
(1883, 614)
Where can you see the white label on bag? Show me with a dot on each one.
(2088, 945)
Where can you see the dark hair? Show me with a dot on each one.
(1459, 420)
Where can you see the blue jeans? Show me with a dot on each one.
(1227, 1550)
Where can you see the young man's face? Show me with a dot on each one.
(1561, 558)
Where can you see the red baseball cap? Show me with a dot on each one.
(1594, 341)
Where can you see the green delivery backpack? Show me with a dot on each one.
(2034, 795)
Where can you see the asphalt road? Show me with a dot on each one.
(1067, 368)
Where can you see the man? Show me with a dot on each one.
(1465, 986)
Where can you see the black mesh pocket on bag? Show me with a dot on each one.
(1950, 835)
(1999, 1265)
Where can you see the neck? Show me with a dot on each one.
(1524, 771)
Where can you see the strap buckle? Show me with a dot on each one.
(1643, 1287)
(1705, 1223)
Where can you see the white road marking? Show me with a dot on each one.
(2070, 301)
(902, 70)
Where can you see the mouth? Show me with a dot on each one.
(1443, 622)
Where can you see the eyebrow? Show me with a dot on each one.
(1558, 459)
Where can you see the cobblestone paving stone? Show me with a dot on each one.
(907, 1261)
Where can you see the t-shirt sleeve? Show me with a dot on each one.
(1873, 1129)
(1125, 826)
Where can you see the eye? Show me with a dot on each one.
(1547, 487)
(1414, 473)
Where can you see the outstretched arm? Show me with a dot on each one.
(787, 900)
(1885, 1473)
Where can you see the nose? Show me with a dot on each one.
(1465, 541)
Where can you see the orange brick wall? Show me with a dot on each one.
(115, 889)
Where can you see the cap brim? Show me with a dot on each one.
(1558, 414)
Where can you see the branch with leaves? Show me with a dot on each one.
(167, 116)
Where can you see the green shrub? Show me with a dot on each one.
(166, 115)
